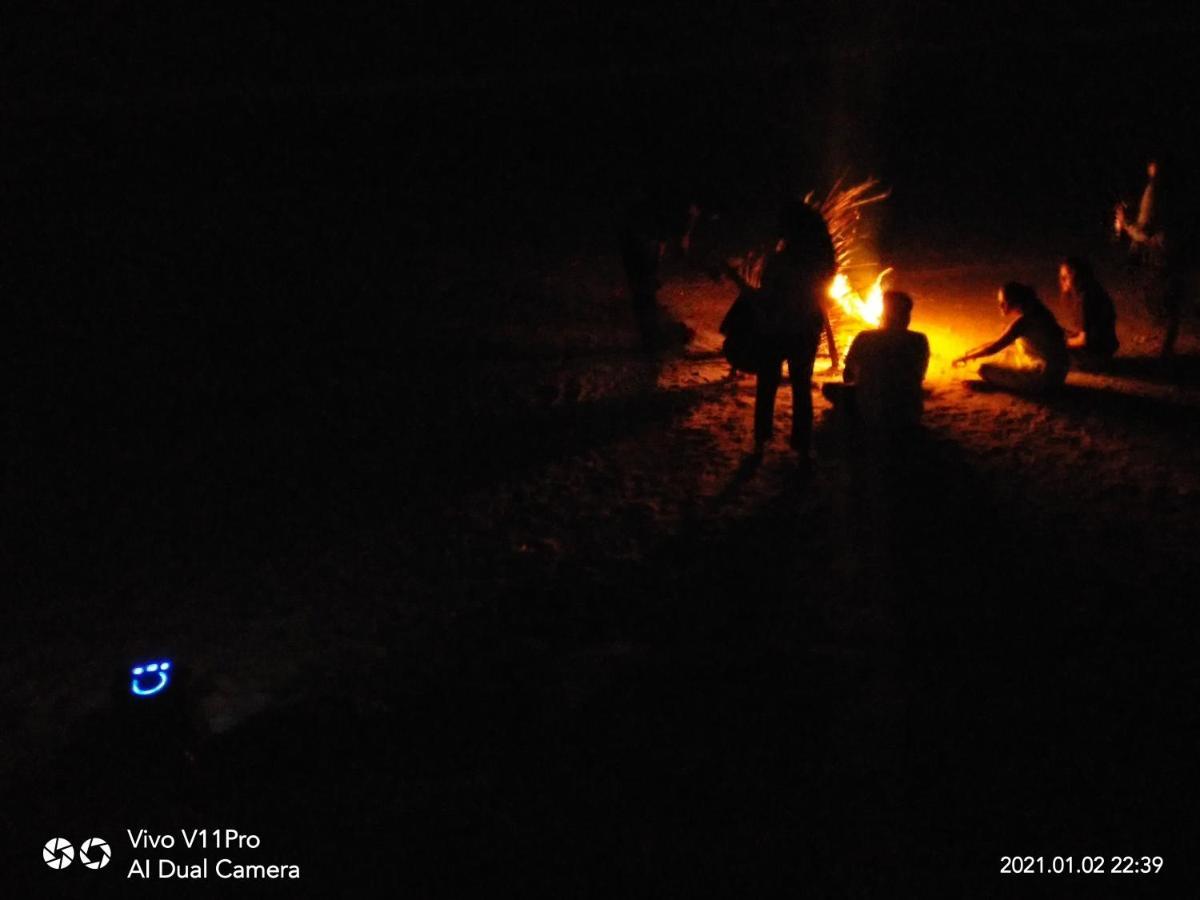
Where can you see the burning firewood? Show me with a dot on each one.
(842, 210)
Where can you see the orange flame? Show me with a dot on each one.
(870, 310)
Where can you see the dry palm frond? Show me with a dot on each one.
(751, 268)
(842, 210)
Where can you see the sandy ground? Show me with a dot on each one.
(603, 531)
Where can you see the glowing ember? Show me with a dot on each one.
(870, 310)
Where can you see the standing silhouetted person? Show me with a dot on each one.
(792, 316)
(884, 370)
(654, 223)
(1157, 243)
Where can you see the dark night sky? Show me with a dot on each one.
(142, 49)
(810, 87)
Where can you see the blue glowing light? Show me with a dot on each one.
(159, 668)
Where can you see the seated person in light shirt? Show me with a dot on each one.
(884, 370)
(1035, 349)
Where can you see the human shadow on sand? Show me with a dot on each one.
(1180, 370)
(1145, 415)
(521, 440)
(878, 662)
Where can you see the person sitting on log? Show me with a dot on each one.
(1093, 340)
(881, 384)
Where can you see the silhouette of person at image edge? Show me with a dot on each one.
(791, 318)
(1093, 340)
(1157, 242)
(884, 370)
(1038, 362)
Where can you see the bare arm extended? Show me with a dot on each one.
(1011, 333)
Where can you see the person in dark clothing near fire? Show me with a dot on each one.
(884, 369)
(1092, 341)
(795, 279)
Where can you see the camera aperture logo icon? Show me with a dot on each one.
(58, 853)
(95, 853)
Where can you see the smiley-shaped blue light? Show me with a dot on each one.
(159, 676)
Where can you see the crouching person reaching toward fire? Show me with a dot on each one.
(1039, 361)
(884, 369)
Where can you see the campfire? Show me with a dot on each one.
(842, 210)
(869, 309)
